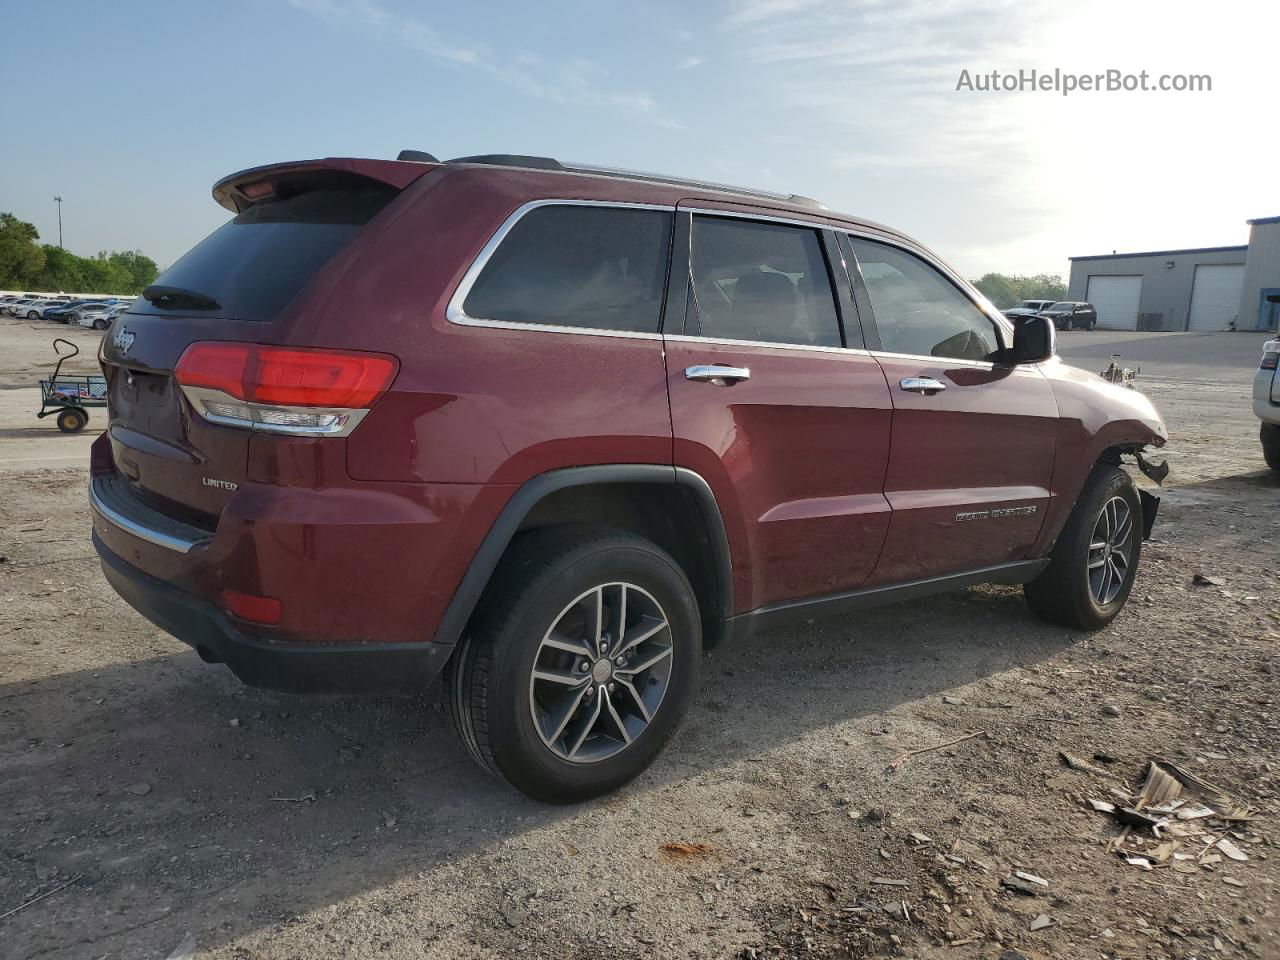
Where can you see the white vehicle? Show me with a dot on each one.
(100, 319)
(28, 307)
(1029, 308)
(1266, 403)
(36, 308)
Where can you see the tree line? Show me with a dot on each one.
(28, 264)
(1006, 291)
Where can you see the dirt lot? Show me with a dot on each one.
(156, 804)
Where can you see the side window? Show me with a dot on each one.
(761, 281)
(578, 266)
(917, 310)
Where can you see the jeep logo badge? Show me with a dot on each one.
(123, 339)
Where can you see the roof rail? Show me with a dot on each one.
(687, 182)
(511, 160)
(550, 163)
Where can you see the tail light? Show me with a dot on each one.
(1270, 354)
(288, 390)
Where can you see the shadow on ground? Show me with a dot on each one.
(135, 776)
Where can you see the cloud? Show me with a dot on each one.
(578, 81)
(688, 63)
(874, 83)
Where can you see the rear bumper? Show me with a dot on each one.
(274, 665)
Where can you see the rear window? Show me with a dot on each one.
(255, 264)
(578, 266)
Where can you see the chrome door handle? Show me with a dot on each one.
(720, 376)
(925, 385)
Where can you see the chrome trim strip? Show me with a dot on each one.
(752, 215)
(349, 418)
(455, 313)
(953, 361)
(117, 519)
(728, 342)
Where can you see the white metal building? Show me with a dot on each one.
(1206, 288)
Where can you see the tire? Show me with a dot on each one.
(1091, 325)
(99, 324)
(511, 721)
(32, 315)
(71, 419)
(1269, 434)
(1075, 590)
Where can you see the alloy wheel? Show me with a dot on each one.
(601, 673)
(1110, 550)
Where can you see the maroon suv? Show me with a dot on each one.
(556, 430)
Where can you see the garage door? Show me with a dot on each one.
(1116, 300)
(1215, 295)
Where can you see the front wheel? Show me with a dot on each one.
(1091, 325)
(1095, 560)
(580, 665)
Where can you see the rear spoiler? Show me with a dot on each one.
(236, 191)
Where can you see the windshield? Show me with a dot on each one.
(1061, 308)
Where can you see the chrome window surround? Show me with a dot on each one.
(456, 314)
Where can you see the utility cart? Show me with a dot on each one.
(68, 398)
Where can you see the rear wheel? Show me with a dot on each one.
(1095, 560)
(71, 419)
(580, 666)
(32, 315)
(1270, 437)
(1092, 323)
(99, 324)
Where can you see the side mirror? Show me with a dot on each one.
(1034, 339)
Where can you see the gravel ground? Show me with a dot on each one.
(185, 810)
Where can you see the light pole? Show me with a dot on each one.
(59, 201)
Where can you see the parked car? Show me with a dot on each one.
(33, 309)
(1071, 316)
(596, 465)
(101, 319)
(1266, 403)
(19, 308)
(60, 312)
(5, 301)
(94, 309)
(1028, 308)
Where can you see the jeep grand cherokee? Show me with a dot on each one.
(556, 430)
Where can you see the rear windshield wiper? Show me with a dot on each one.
(180, 297)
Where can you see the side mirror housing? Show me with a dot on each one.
(1034, 339)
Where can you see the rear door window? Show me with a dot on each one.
(256, 263)
(566, 265)
(763, 282)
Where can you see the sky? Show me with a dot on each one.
(132, 110)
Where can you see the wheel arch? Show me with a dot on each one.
(672, 506)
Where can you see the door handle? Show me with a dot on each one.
(720, 376)
(926, 385)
